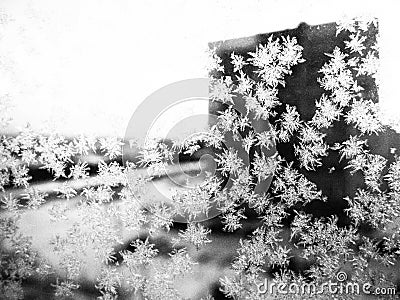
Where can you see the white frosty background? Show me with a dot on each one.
(86, 65)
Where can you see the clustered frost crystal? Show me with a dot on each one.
(110, 205)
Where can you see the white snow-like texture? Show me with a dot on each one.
(78, 222)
